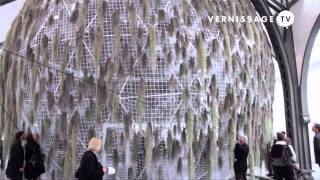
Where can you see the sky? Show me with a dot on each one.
(7, 14)
(278, 104)
(313, 93)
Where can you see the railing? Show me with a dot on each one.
(259, 177)
(280, 5)
(290, 3)
(4, 2)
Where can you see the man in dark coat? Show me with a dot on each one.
(15, 163)
(34, 163)
(1, 159)
(241, 152)
(316, 142)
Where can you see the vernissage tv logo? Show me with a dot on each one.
(283, 19)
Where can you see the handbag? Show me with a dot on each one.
(286, 156)
(34, 161)
(78, 174)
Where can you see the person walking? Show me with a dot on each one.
(90, 168)
(241, 152)
(14, 169)
(316, 142)
(33, 157)
(282, 159)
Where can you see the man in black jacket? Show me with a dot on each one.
(316, 142)
(241, 152)
(1, 159)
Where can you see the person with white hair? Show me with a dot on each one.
(241, 152)
(90, 168)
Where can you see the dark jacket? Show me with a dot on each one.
(90, 168)
(34, 163)
(1, 160)
(241, 154)
(15, 161)
(277, 152)
(316, 143)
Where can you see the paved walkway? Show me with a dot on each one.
(315, 174)
(2, 176)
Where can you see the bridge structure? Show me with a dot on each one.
(294, 84)
(4, 2)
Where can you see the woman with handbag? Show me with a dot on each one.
(14, 169)
(34, 163)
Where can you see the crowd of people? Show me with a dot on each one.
(281, 157)
(282, 160)
(26, 159)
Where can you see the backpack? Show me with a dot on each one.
(286, 155)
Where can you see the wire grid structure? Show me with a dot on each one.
(164, 102)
